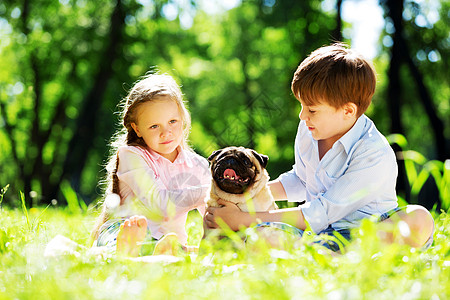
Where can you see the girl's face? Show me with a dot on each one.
(160, 125)
(327, 123)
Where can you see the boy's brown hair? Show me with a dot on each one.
(335, 75)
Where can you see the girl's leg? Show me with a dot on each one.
(413, 226)
(131, 235)
(107, 237)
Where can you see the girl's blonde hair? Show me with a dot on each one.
(149, 88)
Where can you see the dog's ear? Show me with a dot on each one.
(214, 154)
(263, 159)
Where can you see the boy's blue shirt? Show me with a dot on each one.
(355, 179)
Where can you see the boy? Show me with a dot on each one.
(344, 167)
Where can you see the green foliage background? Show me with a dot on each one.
(65, 65)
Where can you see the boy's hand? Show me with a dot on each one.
(229, 213)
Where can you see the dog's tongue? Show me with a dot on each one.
(230, 173)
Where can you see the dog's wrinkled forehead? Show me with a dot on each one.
(239, 152)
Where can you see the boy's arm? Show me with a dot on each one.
(235, 218)
(277, 190)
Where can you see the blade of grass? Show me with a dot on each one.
(230, 233)
(73, 204)
(445, 185)
(411, 171)
(415, 156)
(401, 201)
(37, 222)
(249, 203)
(436, 169)
(2, 194)
(411, 158)
(398, 139)
(420, 181)
(24, 209)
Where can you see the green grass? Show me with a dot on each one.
(225, 269)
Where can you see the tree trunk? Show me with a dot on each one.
(427, 102)
(400, 54)
(394, 86)
(83, 137)
(337, 33)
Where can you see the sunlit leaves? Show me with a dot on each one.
(418, 170)
(234, 64)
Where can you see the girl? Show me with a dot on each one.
(157, 176)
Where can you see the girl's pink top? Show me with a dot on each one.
(163, 191)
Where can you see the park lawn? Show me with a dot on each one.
(225, 269)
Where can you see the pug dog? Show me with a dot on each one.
(239, 176)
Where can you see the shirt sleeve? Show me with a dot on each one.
(141, 178)
(370, 176)
(293, 186)
(293, 181)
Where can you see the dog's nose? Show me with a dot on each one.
(230, 161)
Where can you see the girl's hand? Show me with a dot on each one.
(229, 213)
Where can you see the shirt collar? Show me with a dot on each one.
(182, 157)
(354, 134)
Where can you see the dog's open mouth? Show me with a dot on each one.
(232, 181)
(230, 174)
(234, 174)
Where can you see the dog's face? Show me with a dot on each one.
(235, 169)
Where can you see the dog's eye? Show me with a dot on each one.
(247, 162)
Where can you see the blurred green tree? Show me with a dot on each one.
(62, 54)
(418, 101)
(417, 47)
(70, 60)
(240, 89)
(63, 68)
(65, 65)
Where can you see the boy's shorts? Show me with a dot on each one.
(330, 231)
(327, 243)
(108, 237)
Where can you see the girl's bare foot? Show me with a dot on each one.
(131, 235)
(168, 245)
